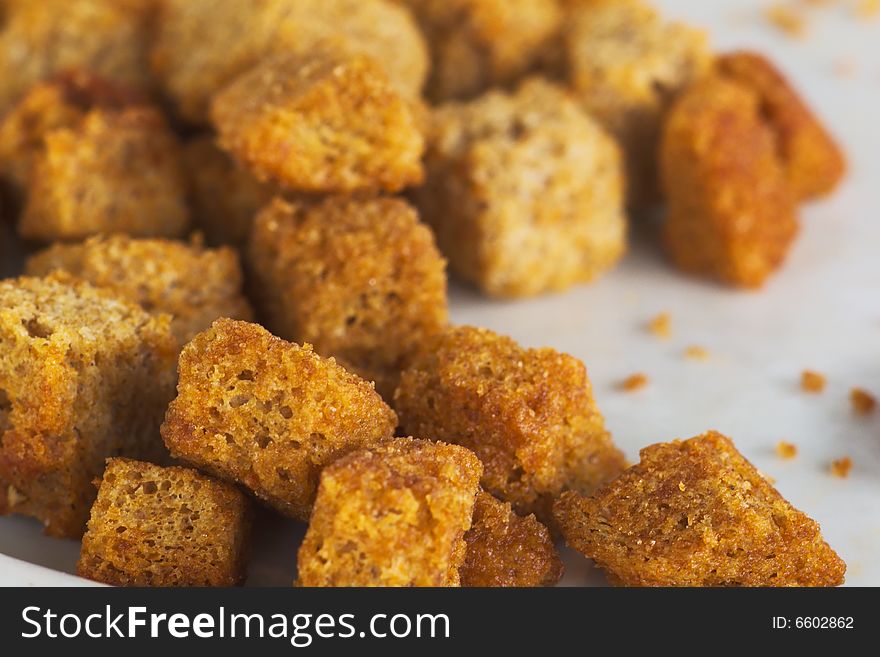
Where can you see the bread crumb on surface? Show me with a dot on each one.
(695, 352)
(661, 325)
(813, 382)
(863, 402)
(786, 450)
(787, 19)
(635, 382)
(841, 467)
(845, 67)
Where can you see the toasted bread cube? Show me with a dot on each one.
(626, 65)
(478, 44)
(361, 280)
(225, 197)
(524, 192)
(267, 414)
(116, 172)
(696, 513)
(529, 415)
(324, 121)
(41, 39)
(507, 550)
(83, 375)
(202, 45)
(155, 526)
(61, 102)
(813, 162)
(192, 284)
(393, 515)
(732, 213)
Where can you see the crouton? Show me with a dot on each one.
(324, 121)
(267, 414)
(626, 65)
(202, 45)
(696, 513)
(732, 213)
(360, 280)
(84, 375)
(529, 415)
(504, 549)
(524, 191)
(172, 526)
(392, 515)
(116, 172)
(192, 284)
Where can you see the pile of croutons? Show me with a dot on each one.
(257, 201)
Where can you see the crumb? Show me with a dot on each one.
(844, 67)
(635, 382)
(661, 326)
(863, 402)
(841, 467)
(786, 450)
(787, 19)
(812, 382)
(868, 8)
(695, 352)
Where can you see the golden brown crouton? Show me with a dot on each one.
(392, 515)
(83, 375)
(731, 213)
(60, 102)
(116, 172)
(325, 121)
(529, 415)
(813, 162)
(626, 65)
(504, 549)
(225, 197)
(360, 280)
(192, 284)
(41, 39)
(202, 45)
(696, 513)
(524, 191)
(478, 44)
(265, 413)
(155, 526)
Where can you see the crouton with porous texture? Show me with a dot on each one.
(504, 549)
(115, 172)
(225, 197)
(84, 375)
(525, 192)
(41, 39)
(192, 284)
(202, 45)
(361, 280)
(478, 44)
(529, 415)
(731, 214)
(268, 414)
(392, 515)
(626, 65)
(696, 513)
(155, 526)
(323, 121)
(60, 102)
(813, 162)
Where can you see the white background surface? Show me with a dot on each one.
(822, 311)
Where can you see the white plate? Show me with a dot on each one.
(822, 311)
